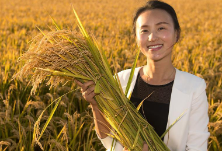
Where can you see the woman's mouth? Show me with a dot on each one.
(155, 47)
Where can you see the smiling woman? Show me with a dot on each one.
(157, 30)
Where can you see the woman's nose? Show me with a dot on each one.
(152, 37)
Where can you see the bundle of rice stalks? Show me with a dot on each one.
(63, 55)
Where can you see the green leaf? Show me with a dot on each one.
(123, 119)
(139, 106)
(97, 87)
(59, 73)
(93, 48)
(50, 116)
(113, 144)
(45, 35)
(173, 124)
(137, 136)
(56, 25)
(132, 73)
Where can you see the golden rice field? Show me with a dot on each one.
(199, 52)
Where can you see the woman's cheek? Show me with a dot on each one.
(140, 41)
(168, 36)
(165, 36)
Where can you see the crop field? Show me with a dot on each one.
(199, 52)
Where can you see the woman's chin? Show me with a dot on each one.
(159, 56)
(155, 57)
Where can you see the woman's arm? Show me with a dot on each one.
(101, 125)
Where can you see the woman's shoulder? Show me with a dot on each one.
(189, 83)
(124, 74)
(185, 76)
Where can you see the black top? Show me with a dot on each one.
(155, 108)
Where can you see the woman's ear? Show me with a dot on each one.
(177, 36)
(136, 39)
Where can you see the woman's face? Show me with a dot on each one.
(155, 34)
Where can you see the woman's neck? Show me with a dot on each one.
(158, 72)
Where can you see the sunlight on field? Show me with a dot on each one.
(199, 52)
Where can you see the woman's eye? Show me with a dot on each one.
(144, 31)
(161, 28)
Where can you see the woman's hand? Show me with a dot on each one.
(87, 90)
(124, 149)
(145, 147)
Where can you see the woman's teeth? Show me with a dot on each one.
(156, 46)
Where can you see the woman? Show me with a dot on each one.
(156, 31)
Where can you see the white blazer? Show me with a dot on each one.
(190, 133)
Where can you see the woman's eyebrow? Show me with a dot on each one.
(162, 23)
(144, 26)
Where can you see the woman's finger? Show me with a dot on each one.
(78, 83)
(86, 85)
(87, 90)
(90, 89)
(89, 97)
(145, 147)
(89, 93)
